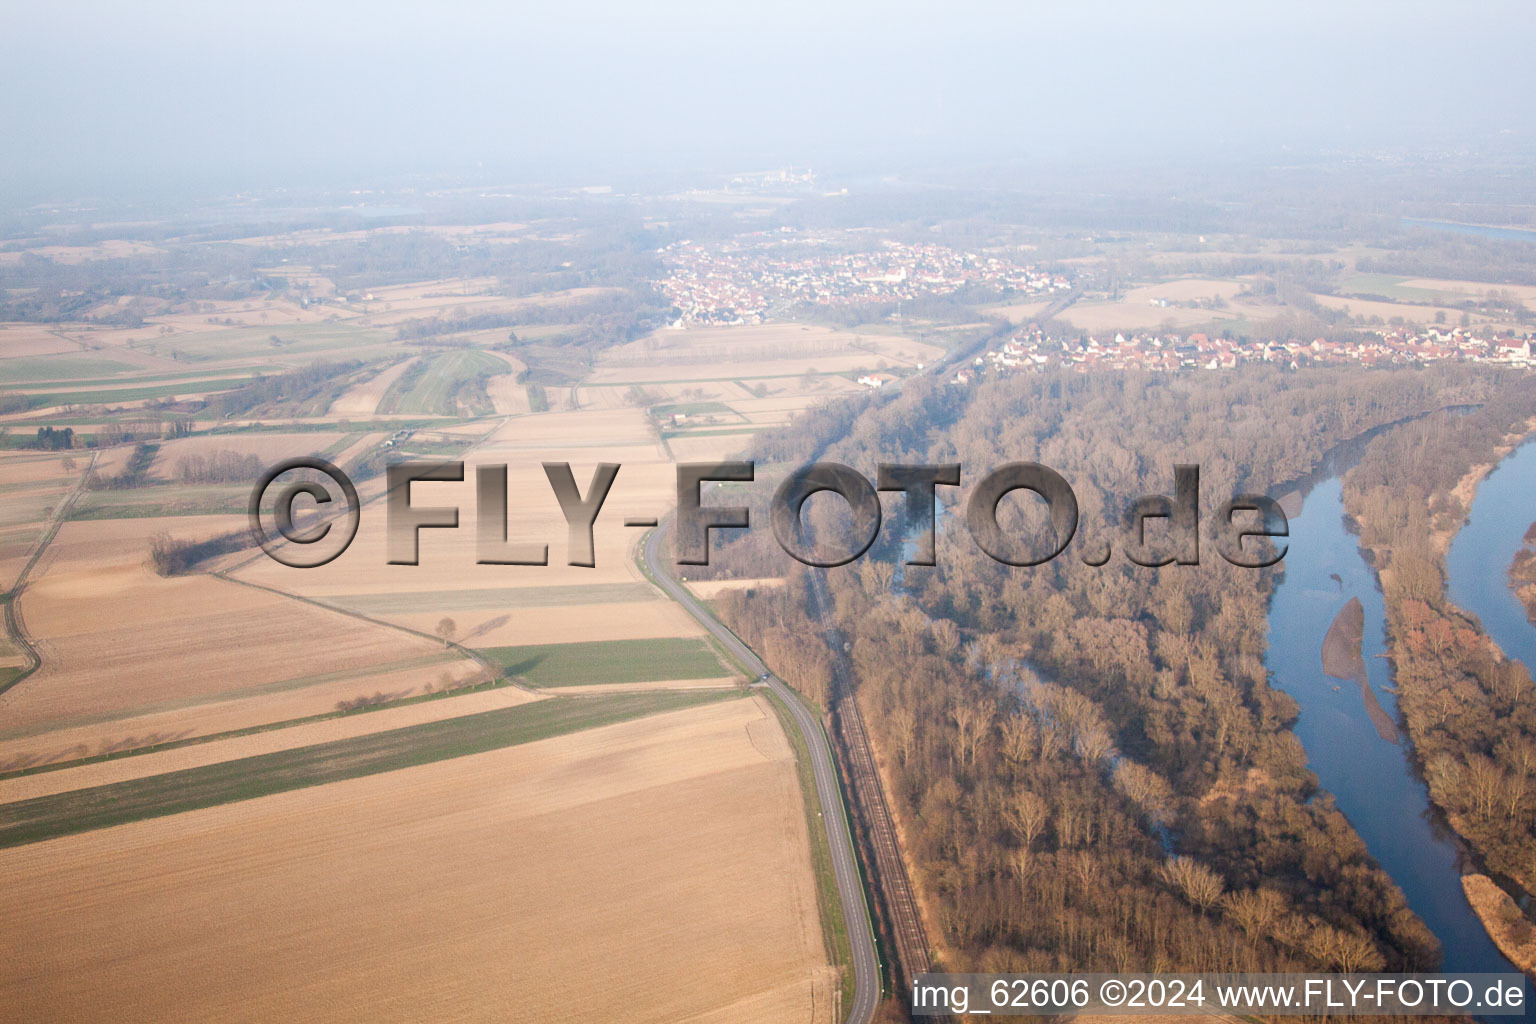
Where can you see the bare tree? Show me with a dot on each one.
(1199, 884)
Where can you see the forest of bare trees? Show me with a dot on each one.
(1090, 767)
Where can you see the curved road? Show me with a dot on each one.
(861, 939)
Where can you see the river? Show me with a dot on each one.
(1479, 230)
(1478, 562)
(1369, 776)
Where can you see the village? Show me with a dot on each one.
(1035, 350)
(744, 280)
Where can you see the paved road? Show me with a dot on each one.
(861, 939)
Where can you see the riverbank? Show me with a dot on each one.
(1464, 493)
(1507, 926)
(1464, 702)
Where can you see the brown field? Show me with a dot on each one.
(1118, 316)
(210, 316)
(508, 396)
(118, 641)
(269, 448)
(86, 734)
(708, 448)
(160, 762)
(1471, 289)
(1413, 314)
(29, 468)
(111, 249)
(1136, 309)
(1185, 289)
(759, 351)
(605, 399)
(363, 399)
(394, 305)
(1019, 312)
(31, 487)
(32, 340)
(559, 624)
(649, 871)
(646, 485)
(709, 589)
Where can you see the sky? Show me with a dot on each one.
(96, 95)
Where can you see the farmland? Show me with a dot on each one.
(81, 810)
(662, 861)
(565, 744)
(449, 384)
(609, 661)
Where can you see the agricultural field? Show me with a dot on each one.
(662, 861)
(1184, 302)
(609, 661)
(713, 354)
(1397, 311)
(449, 384)
(1209, 303)
(589, 777)
(363, 398)
(120, 644)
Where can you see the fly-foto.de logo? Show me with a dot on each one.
(1159, 529)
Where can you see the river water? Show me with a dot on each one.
(1478, 561)
(1369, 776)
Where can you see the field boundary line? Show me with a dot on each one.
(15, 625)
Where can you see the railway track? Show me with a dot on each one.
(892, 885)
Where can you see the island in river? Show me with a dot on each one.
(1522, 574)
(1342, 659)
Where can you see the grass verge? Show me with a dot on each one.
(834, 927)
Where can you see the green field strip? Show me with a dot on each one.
(698, 409)
(609, 661)
(342, 444)
(62, 367)
(1391, 287)
(83, 810)
(157, 500)
(712, 380)
(493, 599)
(51, 484)
(435, 384)
(188, 380)
(117, 396)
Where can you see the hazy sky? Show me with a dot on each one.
(96, 92)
